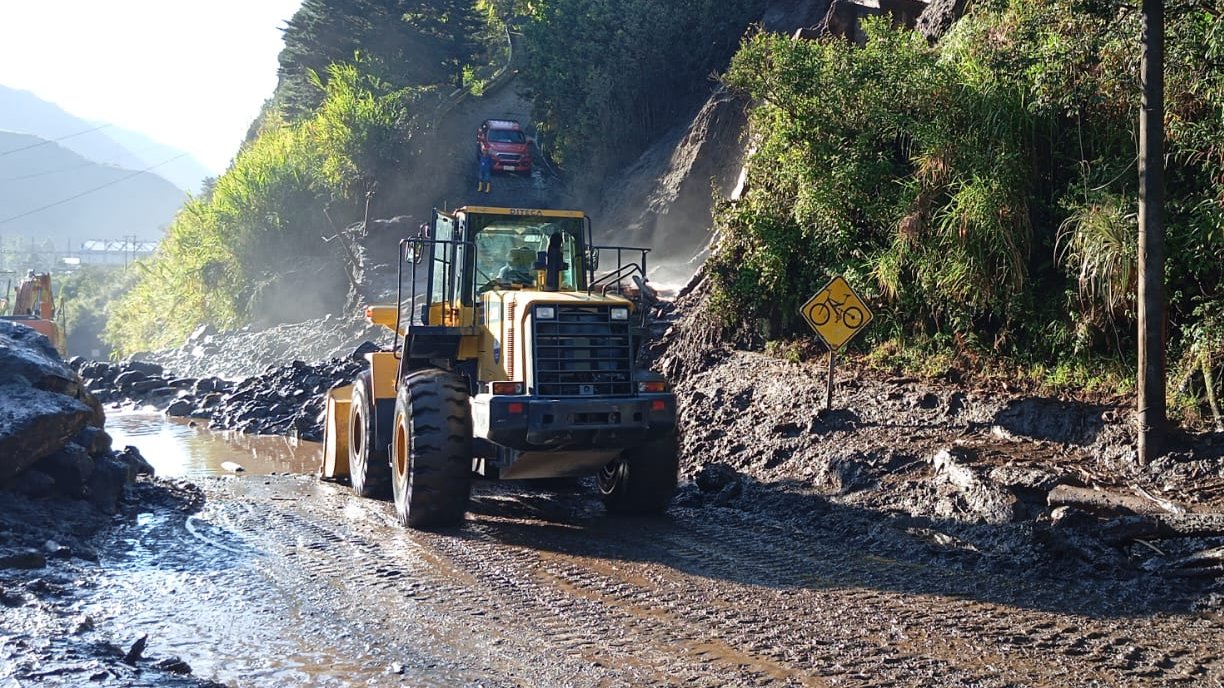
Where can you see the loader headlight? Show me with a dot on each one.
(620, 313)
(546, 312)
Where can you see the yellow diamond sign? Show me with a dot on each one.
(836, 313)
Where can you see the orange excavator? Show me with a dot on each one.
(32, 304)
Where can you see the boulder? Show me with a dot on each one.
(939, 16)
(70, 467)
(149, 369)
(107, 483)
(127, 379)
(42, 403)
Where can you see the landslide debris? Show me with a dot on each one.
(968, 472)
(284, 400)
(62, 485)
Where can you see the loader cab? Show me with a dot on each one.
(475, 250)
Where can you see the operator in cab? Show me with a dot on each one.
(519, 268)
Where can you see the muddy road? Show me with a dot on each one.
(282, 580)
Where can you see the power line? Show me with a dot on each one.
(46, 141)
(84, 163)
(89, 191)
(87, 163)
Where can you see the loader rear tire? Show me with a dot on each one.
(369, 440)
(642, 479)
(431, 449)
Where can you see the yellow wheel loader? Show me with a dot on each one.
(513, 359)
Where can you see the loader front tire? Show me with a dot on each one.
(369, 439)
(431, 449)
(642, 479)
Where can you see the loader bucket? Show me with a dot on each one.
(335, 433)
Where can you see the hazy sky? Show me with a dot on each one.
(189, 73)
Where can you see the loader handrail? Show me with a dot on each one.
(624, 270)
(415, 250)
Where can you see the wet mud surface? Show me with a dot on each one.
(281, 580)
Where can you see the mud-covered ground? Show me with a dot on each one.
(281, 580)
(902, 538)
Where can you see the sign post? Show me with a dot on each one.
(837, 314)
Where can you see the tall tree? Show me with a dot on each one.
(403, 42)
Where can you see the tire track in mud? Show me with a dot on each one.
(528, 593)
(378, 593)
(994, 641)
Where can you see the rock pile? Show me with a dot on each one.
(284, 400)
(52, 440)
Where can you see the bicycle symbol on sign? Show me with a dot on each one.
(850, 316)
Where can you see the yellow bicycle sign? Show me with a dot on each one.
(836, 313)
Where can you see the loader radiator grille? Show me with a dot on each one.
(583, 352)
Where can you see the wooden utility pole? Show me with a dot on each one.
(1151, 407)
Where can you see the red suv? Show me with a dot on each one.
(505, 142)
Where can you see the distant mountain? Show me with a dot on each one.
(23, 112)
(50, 192)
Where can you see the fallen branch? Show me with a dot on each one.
(1103, 503)
(1154, 527)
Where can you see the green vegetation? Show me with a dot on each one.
(358, 79)
(607, 77)
(982, 192)
(280, 195)
(84, 300)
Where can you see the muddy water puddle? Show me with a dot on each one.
(221, 588)
(182, 448)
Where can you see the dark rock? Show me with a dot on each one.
(844, 475)
(182, 383)
(85, 554)
(366, 347)
(205, 385)
(95, 440)
(26, 559)
(129, 378)
(106, 484)
(730, 493)
(33, 483)
(135, 463)
(173, 665)
(159, 393)
(149, 369)
(70, 468)
(715, 477)
(42, 403)
(939, 16)
(180, 408)
(148, 385)
(76, 362)
(27, 355)
(135, 652)
(100, 372)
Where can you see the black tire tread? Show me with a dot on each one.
(435, 406)
(369, 469)
(650, 477)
